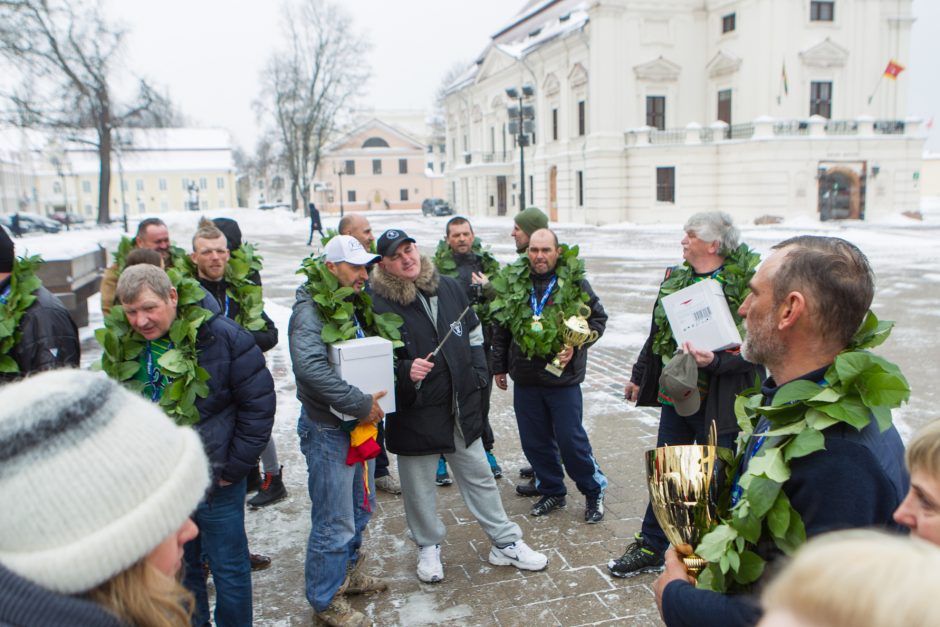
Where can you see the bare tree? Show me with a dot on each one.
(438, 116)
(64, 51)
(306, 86)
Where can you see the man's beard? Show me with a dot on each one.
(761, 344)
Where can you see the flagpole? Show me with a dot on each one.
(877, 85)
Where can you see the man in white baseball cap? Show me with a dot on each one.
(343, 495)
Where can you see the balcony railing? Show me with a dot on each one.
(768, 128)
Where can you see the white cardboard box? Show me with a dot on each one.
(367, 364)
(699, 314)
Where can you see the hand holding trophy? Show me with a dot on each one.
(682, 482)
(575, 334)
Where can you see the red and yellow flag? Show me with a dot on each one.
(894, 68)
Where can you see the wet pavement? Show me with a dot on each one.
(625, 264)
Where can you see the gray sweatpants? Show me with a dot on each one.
(477, 486)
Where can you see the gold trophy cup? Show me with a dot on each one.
(575, 333)
(680, 481)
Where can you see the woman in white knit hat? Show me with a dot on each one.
(96, 489)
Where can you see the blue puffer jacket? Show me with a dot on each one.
(237, 416)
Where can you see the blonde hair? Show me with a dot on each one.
(859, 578)
(923, 453)
(144, 597)
(206, 229)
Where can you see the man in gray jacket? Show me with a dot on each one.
(340, 512)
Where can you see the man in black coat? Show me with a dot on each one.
(235, 422)
(315, 224)
(437, 397)
(48, 336)
(549, 408)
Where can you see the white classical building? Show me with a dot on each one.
(649, 111)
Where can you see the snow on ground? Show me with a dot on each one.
(625, 263)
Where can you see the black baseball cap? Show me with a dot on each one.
(390, 240)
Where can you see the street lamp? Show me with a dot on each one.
(521, 124)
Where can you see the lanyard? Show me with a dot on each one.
(5, 295)
(359, 331)
(153, 374)
(226, 305)
(537, 307)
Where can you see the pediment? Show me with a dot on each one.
(658, 70)
(722, 64)
(578, 76)
(825, 54)
(551, 86)
(495, 60)
(375, 128)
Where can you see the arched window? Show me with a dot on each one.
(375, 142)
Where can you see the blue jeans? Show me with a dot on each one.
(550, 422)
(675, 430)
(338, 515)
(222, 540)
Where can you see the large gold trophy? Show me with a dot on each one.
(682, 485)
(575, 333)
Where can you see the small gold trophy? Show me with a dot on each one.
(680, 481)
(575, 333)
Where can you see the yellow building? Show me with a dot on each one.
(153, 171)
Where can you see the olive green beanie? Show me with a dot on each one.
(531, 219)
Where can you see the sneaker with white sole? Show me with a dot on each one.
(518, 554)
(430, 569)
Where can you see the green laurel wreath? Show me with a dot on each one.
(122, 348)
(242, 264)
(736, 273)
(512, 309)
(339, 307)
(446, 264)
(178, 256)
(857, 386)
(23, 284)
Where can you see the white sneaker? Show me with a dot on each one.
(429, 564)
(518, 554)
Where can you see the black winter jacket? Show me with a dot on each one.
(235, 420)
(423, 423)
(265, 338)
(49, 337)
(25, 604)
(508, 356)
(728, 375)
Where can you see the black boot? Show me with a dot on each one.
(272, 490)
(254, 479)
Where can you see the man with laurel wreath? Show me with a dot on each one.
(343, 494)
(536, 294)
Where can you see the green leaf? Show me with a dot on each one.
(804, 444)
(770, 463)
(761, 494)
(826, 395)
(752, 567)
(778, 518)
(850, 365)
(716, 542)
(883, 416)
(798, 390)
(849, 410)
(884, 390)
(816, 419)
(8, 364)
(173, 362)
(127, 369)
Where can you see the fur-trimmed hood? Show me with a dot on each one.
(402, 291)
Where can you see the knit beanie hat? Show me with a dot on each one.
(6, 252)
(233, 233)
(92, 478)
(531, 219)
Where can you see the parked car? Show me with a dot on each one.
(30, 223)
(67, 217)
(436, 207)
(33, 222)
(273, 205)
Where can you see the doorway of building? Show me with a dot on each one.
(500, 195)
(841, 191)
(553, 193)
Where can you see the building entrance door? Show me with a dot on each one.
(553, 194)
(500, 195)
(841, 191)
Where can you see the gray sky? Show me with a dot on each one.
(209, 53)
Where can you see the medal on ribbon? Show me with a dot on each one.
(538, 305)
